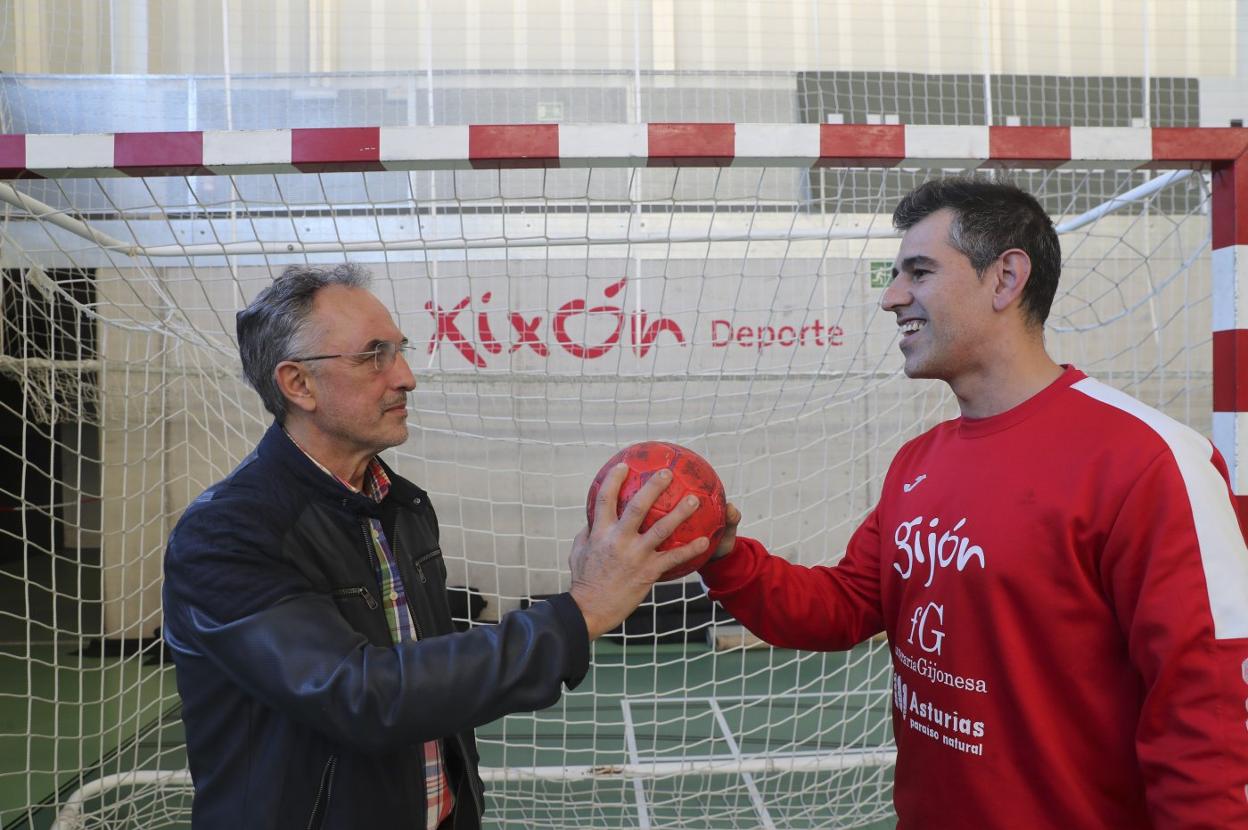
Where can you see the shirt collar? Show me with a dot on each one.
(376, 482)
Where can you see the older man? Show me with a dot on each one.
(305, 598)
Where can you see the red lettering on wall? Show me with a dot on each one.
(448, 330)
(527, 331)
(483, 329)
(645, 330)
(650, 331)
(577, 306)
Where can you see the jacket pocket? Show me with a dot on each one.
(357, 591)
(433, 608)
(428, 565)
(320, 805)
(361, 608)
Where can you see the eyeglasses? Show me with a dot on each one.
(383, 354)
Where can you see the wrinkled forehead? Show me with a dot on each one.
(350, 319)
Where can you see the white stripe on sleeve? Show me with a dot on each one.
(1223, 553)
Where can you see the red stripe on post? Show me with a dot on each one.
(1230, 204)
(13, 157)
(861, 145)
(160, 154)
(1241, 508)
(1197, 146)
(692, 145)
(1014, 147)
(513, 145)
(336, 149)
(1230, 371)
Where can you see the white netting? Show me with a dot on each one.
(563, 314)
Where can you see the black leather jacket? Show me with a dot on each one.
(298, 709)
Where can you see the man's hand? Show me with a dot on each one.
(614, 565)
(729, 540)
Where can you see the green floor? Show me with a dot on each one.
(96, 706)
(695, 703)
(60, 713)
(643, 704)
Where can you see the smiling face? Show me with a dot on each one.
(944, 309)
(357, 408)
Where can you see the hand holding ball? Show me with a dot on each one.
(691, 476)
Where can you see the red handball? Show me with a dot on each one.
(691, 476)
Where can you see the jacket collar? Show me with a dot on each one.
(276, 447)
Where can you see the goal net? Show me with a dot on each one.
(560, 313)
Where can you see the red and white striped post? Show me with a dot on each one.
(1229, 265)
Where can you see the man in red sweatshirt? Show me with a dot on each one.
(1059, 571)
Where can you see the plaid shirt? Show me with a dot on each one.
(439, 799)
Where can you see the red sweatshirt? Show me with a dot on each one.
(1064, 587)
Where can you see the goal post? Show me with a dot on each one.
(570, 289)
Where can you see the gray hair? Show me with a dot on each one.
(273, 327)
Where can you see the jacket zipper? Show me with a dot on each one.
(473, 781)
(327, 786)
(394, 548)
(368, 546)
(357, 592)
(421, 561)
(419, 570)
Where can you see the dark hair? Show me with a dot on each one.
(989, 219)
(273, 327)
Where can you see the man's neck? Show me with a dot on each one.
(347, 464)
(1007, 382)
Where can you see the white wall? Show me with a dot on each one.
(1196, 38)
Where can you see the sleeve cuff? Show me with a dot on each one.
(731, 572)
(573, 622)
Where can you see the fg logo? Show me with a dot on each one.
(925, 624)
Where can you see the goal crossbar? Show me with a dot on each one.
(349, 149)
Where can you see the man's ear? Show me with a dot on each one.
(1014, 269)
(296, 383)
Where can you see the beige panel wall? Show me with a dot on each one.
(176, 418)
(133, 441)
(1062, 37)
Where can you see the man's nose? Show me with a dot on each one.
(404, 378)
(895, 295)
